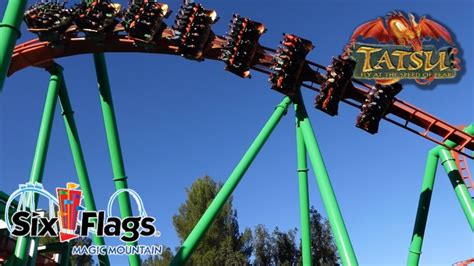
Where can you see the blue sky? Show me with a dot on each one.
(180, 120)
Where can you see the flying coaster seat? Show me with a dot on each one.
(192, 30)
(241, 46)
(288, 63)
(143, 19)
(339, 75)
(97, 16)
(376, 105)
(50, 20)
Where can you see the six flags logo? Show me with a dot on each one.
(69, 206)
(399, 53)
(72, 215)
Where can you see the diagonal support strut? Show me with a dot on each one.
(79, 161)
(115, 150)
(229, 186)
(338, 227)
(304, 195)
(21, 257)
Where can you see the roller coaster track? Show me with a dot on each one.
(41, 54)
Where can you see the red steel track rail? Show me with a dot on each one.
(41, 54)
(464, 262)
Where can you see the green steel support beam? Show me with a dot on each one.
(115, 151)
(79, 162)
(304, 195)
(423, 208)
(34, 242)
(425, 197)
(331, 206)
(9, 33)
(458, 184)
(20, 256)
(64, 258)
(225, 192)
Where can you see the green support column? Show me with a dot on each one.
(304, 195)
(32, 260)
(22, 244)
(343, 242)
(224, 193)
(64, 258)
(120, 178)
(459, 186)
(9, 33)
(425, 197)
(423, 208)
(79, 162)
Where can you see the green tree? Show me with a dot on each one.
(280, 248)
(82, 259)
(262, 243)
(160, 260)
(223, 243)
(323, 249)
(285, 251)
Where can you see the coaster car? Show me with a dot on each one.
(288, 64)
(376, 105)
(338, 78)
(96, 16)
(48, 20)
(192, 30)
(144, 19)
(241, 45)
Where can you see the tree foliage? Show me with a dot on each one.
(323, 249)
(223, 243)
(280, 248)
(160, 260)
(285, 251)
(83, 259)
(263, 246)
(277, 248)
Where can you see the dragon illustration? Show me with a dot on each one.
(399, 30)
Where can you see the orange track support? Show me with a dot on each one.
(463, 167)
